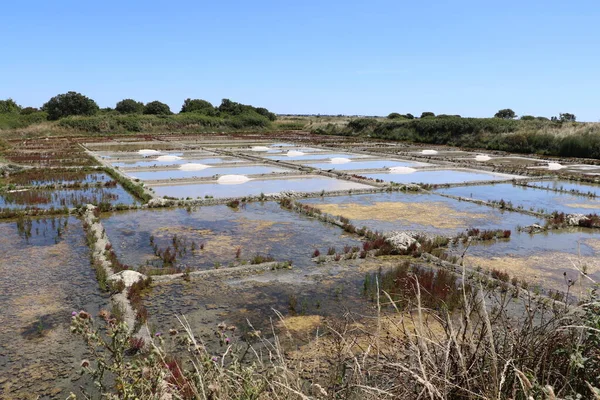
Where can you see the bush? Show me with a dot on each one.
(130, 106)
(9, 106)
(198, 106)
(157, 108)
(70, 103)
(426, 114)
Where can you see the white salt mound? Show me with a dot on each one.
(402, 170)
(553, 166)
(148, 152)
(429, 152)
(259, 148)
(340, 160)
(193, 167)
(232, 179)
(294, 153)
(482, 157)
(168, 158)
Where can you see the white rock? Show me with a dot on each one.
(193, 167)
(401, 240)
(127, 276)
(232, 179)
(402, 170)
(574, 219)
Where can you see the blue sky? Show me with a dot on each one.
(330, 57)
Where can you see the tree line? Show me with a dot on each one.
(76, 104)
(505, 113)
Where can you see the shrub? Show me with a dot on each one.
(70, 103)
(130, 106)
(157, 108)
(198, 106)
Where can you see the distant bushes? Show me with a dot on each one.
(144, 123)
(541, 136)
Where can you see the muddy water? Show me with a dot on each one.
(44, 278)
(544, 259)
(257, 186)
(418, 212)
(65, 198)
(208, 172)
(256, 228)
(303, 297)
(438, 177)
(530, 198)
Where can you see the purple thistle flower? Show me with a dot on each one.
(227, 340)
(215, 359)
(74, 314)
(158, 334)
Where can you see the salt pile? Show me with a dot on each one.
(340, 160)
(193, 167)
(553, 166)
(402, 170)
(259, 148)
(482, 157)
(232, 179)
(429, 152)
(148, 152)
(168, 158)
(294, 153)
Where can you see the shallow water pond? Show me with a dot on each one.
(358, 165)
(46, 274)
(529, 198)
(212, 235)
(543, 259)
(208, 172)
(319, 156)
(154, 162)
(438, 177)
(417, 212)
(41, 177)
(255, 187)
(568, 185)
(45, 199)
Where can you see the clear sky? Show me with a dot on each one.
(330, 57)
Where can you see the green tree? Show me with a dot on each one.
(567, 117)
(426, 114)
(9, 106)
(29, 110)
(130, 106)
(527, 118)
(505, 113)
(157, 108)
(198, 106)
(394, 115)
(265, 113)
(70, 103)
(409, 116)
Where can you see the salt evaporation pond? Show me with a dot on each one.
(256, 228)
(152, 163)
(32, 177)
(319, 156)
(418, 212)
(359, 165)
(44, 199)
(568, 185)
(529, 198)
(256, 187)
(46, 274)
(208, 172)
(438, 177)
(541, 259)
